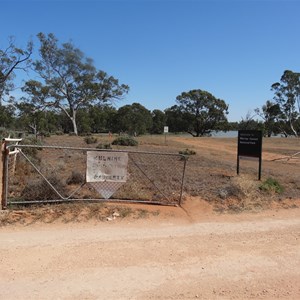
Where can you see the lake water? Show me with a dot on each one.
(220, 134)
(229, 134)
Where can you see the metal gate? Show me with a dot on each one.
(45, 174)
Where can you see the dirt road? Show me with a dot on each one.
(222, 257)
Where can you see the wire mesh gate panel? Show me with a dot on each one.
(57, 174)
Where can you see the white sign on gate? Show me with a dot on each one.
(106, 172)
(106, 166)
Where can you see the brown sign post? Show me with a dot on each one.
(249, 147)
(3, 156)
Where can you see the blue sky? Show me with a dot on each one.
(233, 49)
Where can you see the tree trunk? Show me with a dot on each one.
(191, 133)
(73, 119)
(34, 129)
(293, 129)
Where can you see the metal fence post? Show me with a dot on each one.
(182, 180)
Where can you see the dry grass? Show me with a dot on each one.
(70, 213)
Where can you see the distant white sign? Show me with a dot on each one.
(166, 129)
(106, 166)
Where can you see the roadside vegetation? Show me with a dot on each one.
(72, 212)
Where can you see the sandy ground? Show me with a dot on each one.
(179, 254)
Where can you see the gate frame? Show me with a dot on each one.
(5, 151)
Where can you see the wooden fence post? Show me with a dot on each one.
(3, 155)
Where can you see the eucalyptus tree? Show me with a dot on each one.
(69, 80)
(7, 116)
(134, 119)
(12, 58)
(271, 114)
(287, 96)
(34, 120)
(177, 121)
(159, 119)
(205, 112)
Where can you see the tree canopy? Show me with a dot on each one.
(134, 119)
(159, 119)
(203, 111)
(287, 96)
(12, 58)
(70, 80)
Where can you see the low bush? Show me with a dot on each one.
(85, 134)
(45, 134)
(31, 152)
(271, 185)
(104, 146)
(187, 152)
(125, 141)
(39, 189)
(90, 140)
(4, 133)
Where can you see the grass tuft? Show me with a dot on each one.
(271, 185)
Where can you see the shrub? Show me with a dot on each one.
(45, 133)
(187, 152)
(104, 146)
(31, 152)
(90, 140)
(59, 132)
(3, 132)
(85, 134)
(72, 134)
(125, 141)
(271, 185)
(75, 178)
(39, 189)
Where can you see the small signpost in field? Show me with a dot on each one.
(166, 130)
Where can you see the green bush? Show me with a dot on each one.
(90, 140)
(104, 146)
(45, 133)
(4, 133)
(125, 141)
(59, 132)
(271, 185)
(31, 152)
(187, 152)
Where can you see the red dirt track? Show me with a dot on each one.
(171, 256)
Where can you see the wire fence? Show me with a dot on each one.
(45, 174)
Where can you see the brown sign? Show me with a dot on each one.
(250, 143)
(249, 146)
